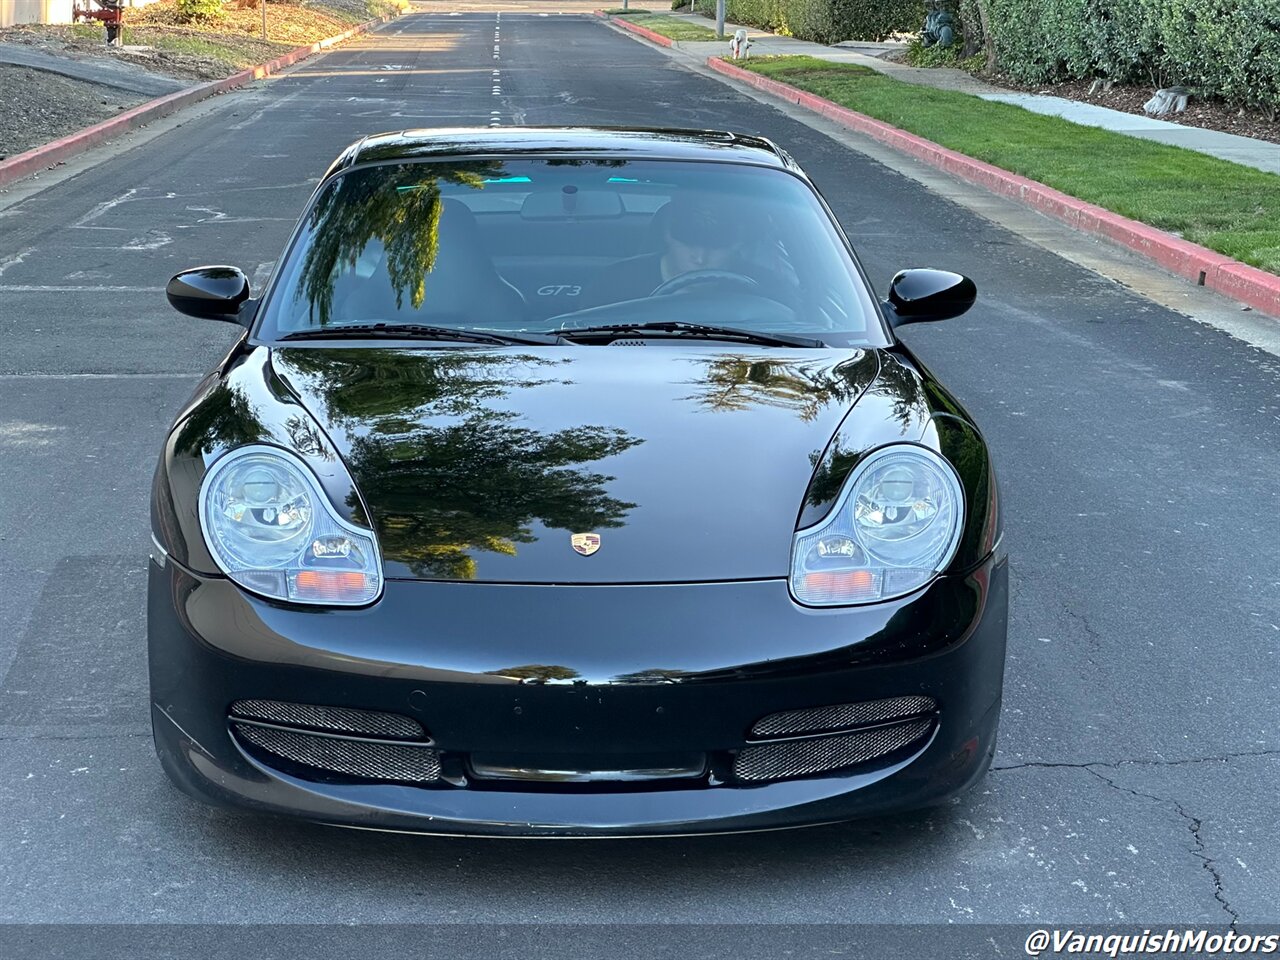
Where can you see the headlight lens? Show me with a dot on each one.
(271, 529)
(895, 527)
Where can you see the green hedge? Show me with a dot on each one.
(1231, 49)
(1223, 48)
(824, 21)
(765, 14)
(830, 21)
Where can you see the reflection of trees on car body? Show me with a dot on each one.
(451, 476)
(805, 386)
(399, 207)
(226, 419)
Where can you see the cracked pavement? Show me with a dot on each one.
(1243, 878)
(1135, 778)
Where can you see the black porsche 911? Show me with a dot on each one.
(572, 482)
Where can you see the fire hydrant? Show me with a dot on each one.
(110, 12)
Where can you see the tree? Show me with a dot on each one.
(976, 22)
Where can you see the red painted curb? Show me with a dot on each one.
(58, 151)
(657, 38)
(1206, 267)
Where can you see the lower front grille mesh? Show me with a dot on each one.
(798, 758)
(369, 723)
(404, 762)
(841, 716)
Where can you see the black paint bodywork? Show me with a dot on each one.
(695, 462)
(574, 143)
(212, 293)
(924, 295)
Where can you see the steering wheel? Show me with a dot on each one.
(703, 276)
(751, 311)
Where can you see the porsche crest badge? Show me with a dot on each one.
(585, 543)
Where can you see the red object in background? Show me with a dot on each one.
(110, 12)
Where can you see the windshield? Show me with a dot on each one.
(563, 244)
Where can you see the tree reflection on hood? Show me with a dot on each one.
(447, 473)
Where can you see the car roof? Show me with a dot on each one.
(581, 142)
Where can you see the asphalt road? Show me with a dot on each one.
(1139, 754)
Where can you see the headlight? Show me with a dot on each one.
(271, 529)
(895, 527)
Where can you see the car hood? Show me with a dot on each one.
(689, 463)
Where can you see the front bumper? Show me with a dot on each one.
(530, 672)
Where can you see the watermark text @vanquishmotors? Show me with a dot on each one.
(1187, 942)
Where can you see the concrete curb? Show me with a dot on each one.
(58, 151)
(657, 38)
(1203, 266)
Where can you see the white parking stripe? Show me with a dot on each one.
(25, 288)
(193, 375)
(16, 259)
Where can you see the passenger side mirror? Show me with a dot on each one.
(211, 293)
(917, 296)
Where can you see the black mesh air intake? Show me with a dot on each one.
(841, 716)
(799, 758)
(367, 723)
(369, 760)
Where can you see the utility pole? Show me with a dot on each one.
(719, 19)
(264, 19)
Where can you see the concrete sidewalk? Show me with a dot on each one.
(100, 70)
(1259, 154)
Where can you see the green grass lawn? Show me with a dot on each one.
(1224, 206)
(672, 27)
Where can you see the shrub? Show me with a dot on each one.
(830, 21)
(1222, 48)
(766, 14)
(1034, 38)
(1229, 48)
(918, 55)
(189, 10)
(824, 21)
(1123, 42)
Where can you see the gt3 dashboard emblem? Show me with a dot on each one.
(585, 543)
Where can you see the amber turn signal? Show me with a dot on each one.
(329, 585)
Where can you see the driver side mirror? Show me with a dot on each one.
(211, 293)
(917, 296)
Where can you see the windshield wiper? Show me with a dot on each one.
(700, 330)
(417, 331)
